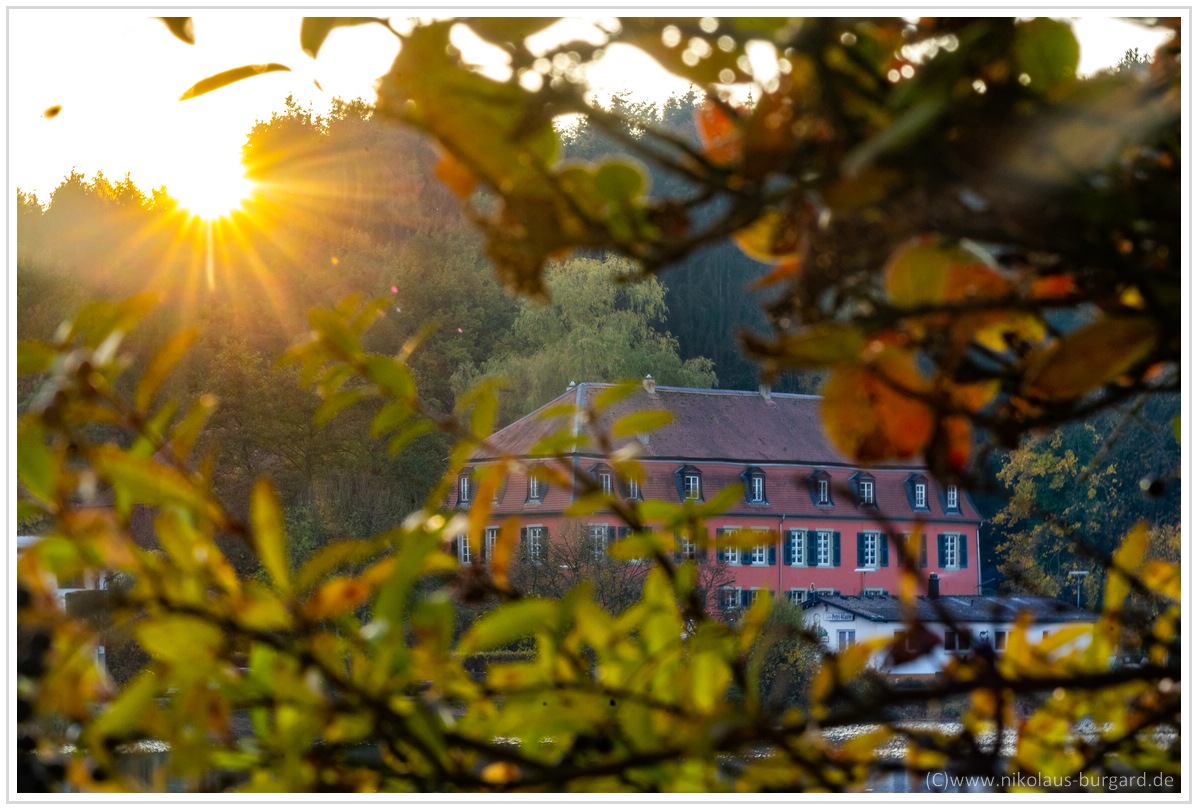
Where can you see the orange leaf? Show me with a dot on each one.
(453, 173)
(1089, 357)
(1050, 287)
(338, 595)
(719, 134)
(783, 271)
(868, 419)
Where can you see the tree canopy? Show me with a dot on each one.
(969, 240)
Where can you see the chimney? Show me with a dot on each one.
(764, 390)
(933, 586)
(571, 386)
(649, 384)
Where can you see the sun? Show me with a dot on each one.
(208, 188)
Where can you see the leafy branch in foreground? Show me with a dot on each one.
(347, 672)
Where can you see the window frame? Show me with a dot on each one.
(464, 488)
(687, 493)
(952, 498)
(597, 535)
(962, 641)
(1000, 640)
(823, 492)
(921, 495)
(798, 549)
(760, 555)
(845, 638)
(952, 551)
(490, 538)
(605, 482)
(823, 548)
(464, 555)
(757, 487)
(535, 492)
(688, 550)
(536, 532)
(872, 549)
(634, 489)
(796, 596)
(867, 492)
(732, 603)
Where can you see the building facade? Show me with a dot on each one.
(826, 524)
(952, 625)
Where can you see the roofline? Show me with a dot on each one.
(829, 600)
(839, 465)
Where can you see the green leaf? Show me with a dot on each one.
(908, 127)
(410, 433)
(391, 375)
(181, 27)
(189, 427)
(315, 30)
(148, 483)
(180, 639)
(338, 402)
(225, 78)
(34, 357)
(270, 539)
(1176, 423)
(37, 466)
(612, 394)
(509, 623)
(127, 713)
(1047, 51)
(160, 365)
(641, 422)
(334, 555)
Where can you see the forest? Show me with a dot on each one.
(292, 387)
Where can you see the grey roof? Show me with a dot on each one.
(956, 608)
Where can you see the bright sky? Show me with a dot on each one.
(117, 75)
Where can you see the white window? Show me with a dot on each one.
(844, 638)
(761, 555)
(797, 596)
(732, 555)
(957, 640)
(758, 485)
(867, 492)
(690, 486)
(605, 482)
(921, 496)
(688, 550)
(463, 543)
(869, 557)
(798, 546)
(534, 488)
(489, 542)
(634, 490)
(950, 495)
(730, 597)
(823, 549)
(535, 543)
(464, 489)
(598, 537)
(822, 490)
(875, 591)
(952, 555)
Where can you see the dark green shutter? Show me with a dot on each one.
(746, 595)
(773, 554)
(963, 558)
(923, 551)
(835, 549)
(524, 542)
(860, 549)
(746, 557)
(941, 542)
(677, 547)
(812, 559)
(454, 549)
(884, 551)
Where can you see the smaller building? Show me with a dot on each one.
(954, 624)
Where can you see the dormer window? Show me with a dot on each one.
(634, 489)
(464, 488)
(601, 474)
(536, 489)
(821, 488)
(864, 483)
(917, 492)
(950, 497)
(754, 481)
(921, 495)
(689, 482)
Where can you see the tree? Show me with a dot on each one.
(922, 251)
(598, 328)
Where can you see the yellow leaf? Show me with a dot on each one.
(869, 420)
(1089, 357)
(266, 519)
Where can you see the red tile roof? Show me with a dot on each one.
(721, 433)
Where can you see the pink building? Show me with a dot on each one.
(826, 524)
